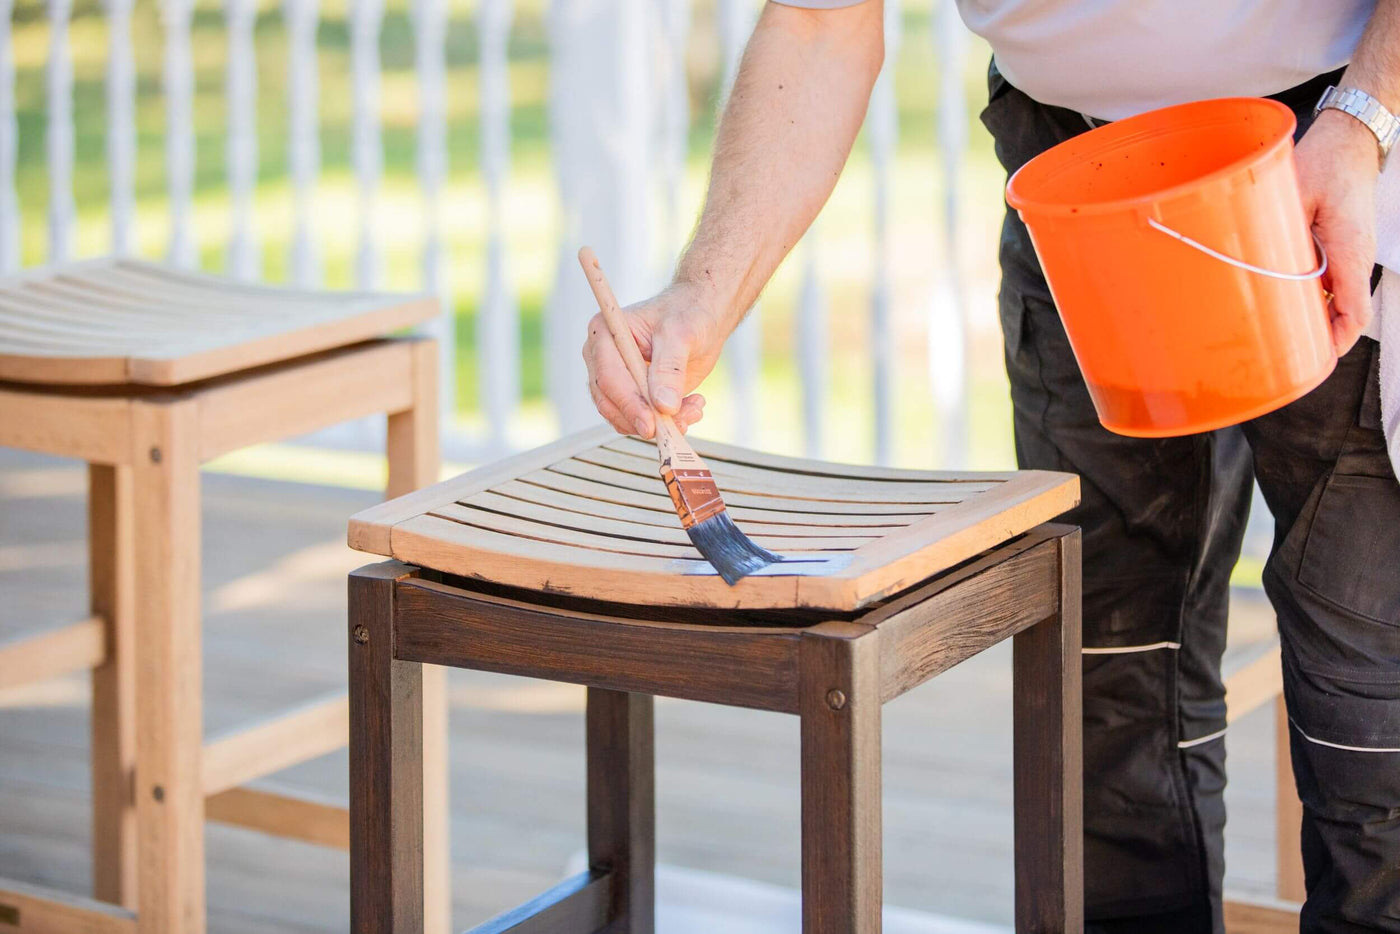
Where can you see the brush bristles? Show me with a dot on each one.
(731, 552)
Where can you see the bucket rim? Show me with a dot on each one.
(1023, 204)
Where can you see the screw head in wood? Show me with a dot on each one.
(158, 793)
(835, 699)
(155, 455)
(361, 635)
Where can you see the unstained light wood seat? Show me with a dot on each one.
(588, 516)
(567, 563)
(146, 371)
(113, 321)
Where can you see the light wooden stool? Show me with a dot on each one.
(144, 372)
(568, 564)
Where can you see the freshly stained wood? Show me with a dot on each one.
(127, 321)
(588, 516)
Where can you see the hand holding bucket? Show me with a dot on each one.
(1179, 255)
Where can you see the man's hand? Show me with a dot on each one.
(681, 341)
(798, 101)
(1337, 168)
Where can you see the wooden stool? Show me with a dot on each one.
(144, 372)
(568, 564)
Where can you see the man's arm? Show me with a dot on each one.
(1337, 170)
(798, 102)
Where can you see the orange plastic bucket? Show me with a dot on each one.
(1180, 259)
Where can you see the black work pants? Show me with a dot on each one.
(1163, 522)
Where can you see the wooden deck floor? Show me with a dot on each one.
(274, 599)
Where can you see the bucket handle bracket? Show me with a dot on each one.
(1241, 264)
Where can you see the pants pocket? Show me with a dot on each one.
(1352, 555)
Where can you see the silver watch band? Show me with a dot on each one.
(1371, 112)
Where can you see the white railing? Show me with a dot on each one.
(619, 127)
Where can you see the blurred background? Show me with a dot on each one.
(467, 148)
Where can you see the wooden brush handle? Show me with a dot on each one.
(669, 439)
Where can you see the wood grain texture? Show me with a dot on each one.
(369, 528)
(841, 835)
(35, 909)
(291, 399)
(579, 903)
(411, 448)
(127, 321)
(239, 756)
(75, 647)
(295, 816)
(718, 452)
(973, 611)
(739, 666)
(1288, 821)
(169, 700)
(386, 763)
(576, 518)
(1260, 917)
(112, 728)
(91, 428)
(1048, 745)
(1252, 679)
(411, 439)
(621, 792)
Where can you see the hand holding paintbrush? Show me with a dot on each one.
(688, 480)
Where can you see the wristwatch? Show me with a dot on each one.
(1369, 111)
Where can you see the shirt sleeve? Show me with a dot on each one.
(819, 4)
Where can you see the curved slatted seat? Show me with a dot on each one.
(589, 517)
(123, 321)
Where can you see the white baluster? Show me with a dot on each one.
(244, 252)
(179, 129)
(303, 137)
(430, 39)
(743, 353)
(675, 121)
(121, 125)
(882, 123)
(601, 84)
(366, 16)
(813, 350)
(499, 316)
(948, 329)
(59, 85)
(9, 143)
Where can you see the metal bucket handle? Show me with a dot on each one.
(1241, 264)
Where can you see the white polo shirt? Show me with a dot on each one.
(1114, 58)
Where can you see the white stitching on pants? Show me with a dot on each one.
(1323, 742)
(1188, 743)
(1127, 649)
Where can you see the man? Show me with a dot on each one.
(1162, 519)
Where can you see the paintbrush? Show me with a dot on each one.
(688, 480)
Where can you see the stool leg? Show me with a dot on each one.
(386, 765)
(111, 563)
(412, 450)
(169, 791)
(839, 703)
(1049, 762)
(1288, 813)
(622, 804)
